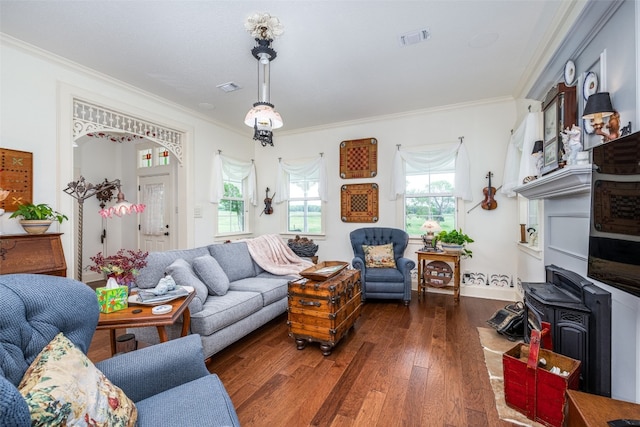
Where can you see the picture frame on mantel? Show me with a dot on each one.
(550, 147)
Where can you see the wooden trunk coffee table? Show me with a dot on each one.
(323, 311)
(128, 319)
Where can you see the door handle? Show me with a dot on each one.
(166, 234)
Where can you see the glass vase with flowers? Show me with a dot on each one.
(123, 266)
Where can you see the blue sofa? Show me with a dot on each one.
(383, 283)
(35, 308)
(254, 296)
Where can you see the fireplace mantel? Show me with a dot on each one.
(570, 180)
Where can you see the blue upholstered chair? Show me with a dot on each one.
(169, 382)
(383, 283)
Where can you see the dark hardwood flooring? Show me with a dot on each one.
(420, 365)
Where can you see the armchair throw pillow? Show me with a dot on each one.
(211, 274)
(63, 387)
(379, 256)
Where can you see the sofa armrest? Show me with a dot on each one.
(358, 264)
(152, 370)
(405, 264)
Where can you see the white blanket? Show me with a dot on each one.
(272, 254)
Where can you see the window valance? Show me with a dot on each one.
(315, 169)
(429, 161)
(234, 169)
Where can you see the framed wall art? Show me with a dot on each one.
(16, 175)
(359, 202)
(359, 158)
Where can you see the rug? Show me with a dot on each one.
(493, 345)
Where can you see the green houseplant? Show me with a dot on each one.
(454, 241)
(36, 219)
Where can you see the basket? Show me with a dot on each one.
(533, 390)
(303, 249)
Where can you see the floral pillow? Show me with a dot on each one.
(379, 256)
(63, 387)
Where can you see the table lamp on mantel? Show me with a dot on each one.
(431, 227)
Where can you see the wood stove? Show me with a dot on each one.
(580, 316)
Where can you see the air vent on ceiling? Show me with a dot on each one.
(229, 87)
(414, 37)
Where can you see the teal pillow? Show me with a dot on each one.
(211, 274)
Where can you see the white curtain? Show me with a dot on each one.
(432, 161)
(519, 162)
(153, 218)
(234, 169)
(315, 169)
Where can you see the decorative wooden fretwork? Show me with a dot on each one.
(100, 122)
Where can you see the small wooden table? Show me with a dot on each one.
(587, 410)
(424, 256)
(127, 319)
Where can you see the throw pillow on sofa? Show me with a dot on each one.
(379, 256)
(210, 272)
(63, 387)
(183, 274)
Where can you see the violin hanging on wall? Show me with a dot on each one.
(268, 209)
(489, 202)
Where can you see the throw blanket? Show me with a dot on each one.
(272, 254)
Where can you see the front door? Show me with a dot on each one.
(156, 222)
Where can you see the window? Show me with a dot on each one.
(429, 196)
(304, 207)
(231, 208)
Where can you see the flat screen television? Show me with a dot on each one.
(614, 235)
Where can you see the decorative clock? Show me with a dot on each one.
(559, 112)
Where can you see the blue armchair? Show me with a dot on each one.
(383, 283)
(169, 382)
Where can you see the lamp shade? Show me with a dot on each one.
(430, 226)
(598, 104)
(537, 147)
(263, 115)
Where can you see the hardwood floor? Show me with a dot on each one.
(416, 366)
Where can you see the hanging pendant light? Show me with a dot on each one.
(263, 117)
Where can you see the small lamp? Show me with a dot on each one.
(431, 227)
(537, 154)
(598, 107)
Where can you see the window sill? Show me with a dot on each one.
(533, 251)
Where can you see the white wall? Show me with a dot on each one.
(486, 131)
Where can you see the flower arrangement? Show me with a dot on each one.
(123, 266)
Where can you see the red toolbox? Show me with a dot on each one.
(531, 388)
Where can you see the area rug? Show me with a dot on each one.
(493, 346)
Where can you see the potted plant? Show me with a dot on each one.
(454, 241)
(36, 219)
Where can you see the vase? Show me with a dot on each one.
(451, 248)
(35, 226)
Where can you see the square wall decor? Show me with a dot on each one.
(359, 158)
(16, 175)
(359, 203)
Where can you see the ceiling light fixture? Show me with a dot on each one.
(263, 118)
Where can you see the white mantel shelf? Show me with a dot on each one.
(574, 179)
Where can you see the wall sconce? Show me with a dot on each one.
(598, 107)
(431, 227)
(82, 190)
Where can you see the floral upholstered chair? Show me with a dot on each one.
(46, 326)
(379, 255)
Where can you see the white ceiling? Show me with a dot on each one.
(337, 60)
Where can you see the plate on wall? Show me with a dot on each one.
(590, 85)
(570, 73)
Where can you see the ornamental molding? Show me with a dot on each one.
(99, 122)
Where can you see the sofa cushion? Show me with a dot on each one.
(62, 386)
(379, 256)
(157, 262)
(271, 290)
(211, 274)
(160, 409)
(182, 273)
(383, 275)
(219, 312)
(235, 260)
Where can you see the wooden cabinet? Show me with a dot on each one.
(590, 410)
(32, 253)
(560, 111)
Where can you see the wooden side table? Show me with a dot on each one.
(128, 319)
(424, 257)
